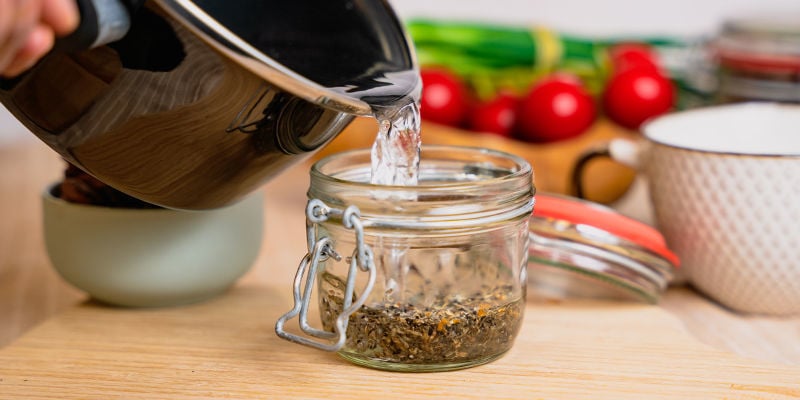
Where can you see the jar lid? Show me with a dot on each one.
(760, 44)
(583, 249)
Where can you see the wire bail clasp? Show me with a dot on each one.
(320, 250)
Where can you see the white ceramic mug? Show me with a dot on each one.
(724, 182)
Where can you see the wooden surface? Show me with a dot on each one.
(226, 347)
(29, 289)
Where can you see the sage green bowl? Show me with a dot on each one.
(151, 257)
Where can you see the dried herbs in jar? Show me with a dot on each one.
(429, 277)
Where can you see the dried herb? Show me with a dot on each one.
(452, 329)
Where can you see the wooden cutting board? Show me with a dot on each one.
(226, 348)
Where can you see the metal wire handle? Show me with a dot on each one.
(320, 250)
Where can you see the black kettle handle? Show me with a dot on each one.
(86, 32)
(85, 35)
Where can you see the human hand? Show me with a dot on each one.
(28, 29)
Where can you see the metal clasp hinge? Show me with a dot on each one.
(320, 250)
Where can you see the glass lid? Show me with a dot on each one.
(586, 250)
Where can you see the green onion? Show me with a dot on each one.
(493, 58)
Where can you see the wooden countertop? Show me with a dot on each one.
(226, 348)
(55, 344)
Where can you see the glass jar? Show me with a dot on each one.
(759, 59)
(416, 278)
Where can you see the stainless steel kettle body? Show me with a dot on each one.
(200, 102)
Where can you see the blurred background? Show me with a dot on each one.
(608, 17)
(483, 60)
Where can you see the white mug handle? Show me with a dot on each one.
(624, 151)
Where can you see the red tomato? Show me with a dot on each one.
(444, 97)
(495, 116)
(625, 56)
(636, 95)
(555, 109)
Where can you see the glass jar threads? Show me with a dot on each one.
(416, 278)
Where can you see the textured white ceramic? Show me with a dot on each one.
(153, 257)
(725, 187)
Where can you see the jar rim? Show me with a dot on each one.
(522, 169)
(459, 188)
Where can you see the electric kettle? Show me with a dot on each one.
(194, 104)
